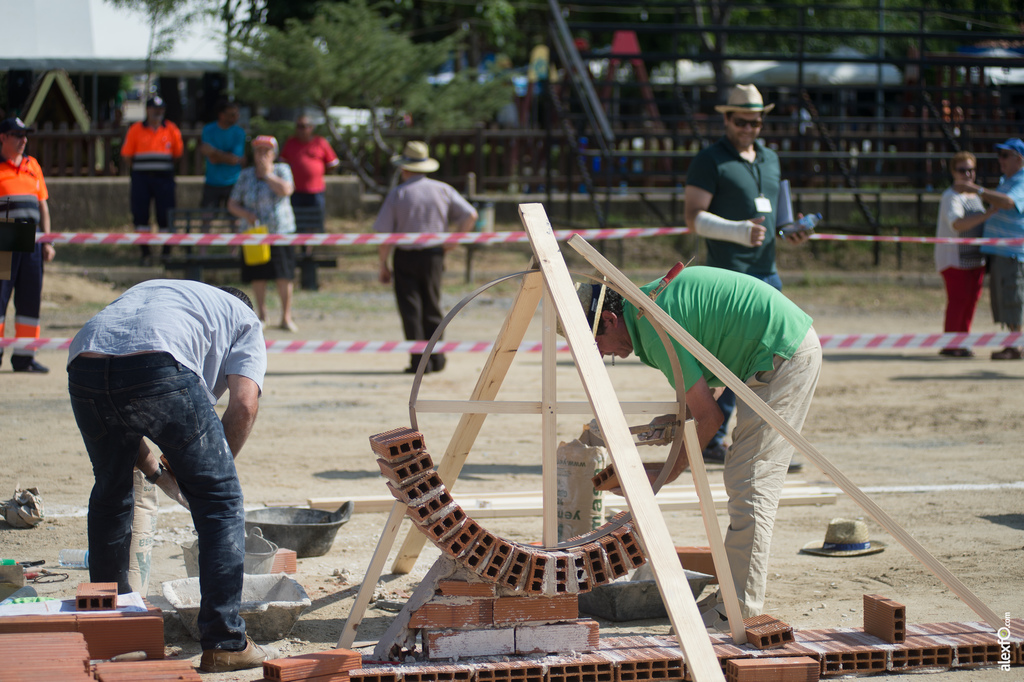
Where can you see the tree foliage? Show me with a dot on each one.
(350, 55)
(166, 19)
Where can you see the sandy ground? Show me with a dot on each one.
(887, 419)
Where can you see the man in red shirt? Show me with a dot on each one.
(310, 157)
(152, 146)
(23, 194)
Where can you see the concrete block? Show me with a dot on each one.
(458, 644)
(633, 599)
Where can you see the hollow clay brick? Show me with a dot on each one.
(446, 526)
(788, 669)
(580, 570)
(418, 490)
(446, 613)
(844, 652)
(510, 671)
(498, 561)
(458, 644)
(304, 666)
(464, 588)
(527, 609)
(397, 444)
(431, 509)
(406, 470)
(767, 632)
(518, 570)
(885, 618)
(920, 652)
(476, 557)
(139, 671)
(535, 578)
(379, 674)
(597, 563)
(973, 644)
(96, 597)
(697, 559)
(437, 673)
(614, 555)
(591, 667)
(630, 545)
(457, 544)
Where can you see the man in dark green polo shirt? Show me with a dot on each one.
(731, 192)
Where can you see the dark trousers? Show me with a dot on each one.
(26, 285)
(152, 188)
(119, 400)
(417, 277)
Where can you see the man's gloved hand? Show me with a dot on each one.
(169, 484)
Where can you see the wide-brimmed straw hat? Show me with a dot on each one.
(845, 537)
(415, 158)
(745, 98)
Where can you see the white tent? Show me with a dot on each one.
(93, 36)
(854, 71)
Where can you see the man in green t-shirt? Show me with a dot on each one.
(766, 341)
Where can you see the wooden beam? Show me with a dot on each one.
(485, 407)
(510, 336)
(707, 508)
(635, 296)
(549, 424)
(653, 531)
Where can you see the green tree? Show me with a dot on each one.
(167, 20)
(350, 55)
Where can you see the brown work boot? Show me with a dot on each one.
(222, 660)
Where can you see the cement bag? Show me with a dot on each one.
(580, 506)
(143, 531)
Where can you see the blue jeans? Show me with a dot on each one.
(117, 401)
(727, 401)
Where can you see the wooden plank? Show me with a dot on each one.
(707, 507)
(485, 407)
(549, 424)
(637, 297)
(653, 531)
(373, 572)
(510, 336)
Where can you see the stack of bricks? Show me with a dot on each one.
(788, 669)
(107, 633)
(146, 671)
(334, 665)
(468, 619)
(55, 657)
(411, 478)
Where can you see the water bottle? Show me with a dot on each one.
(805, 224)
(74, 558)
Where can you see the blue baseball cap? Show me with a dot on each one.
(1014, 144)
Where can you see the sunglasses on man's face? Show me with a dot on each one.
(965, 171)
(746, 122)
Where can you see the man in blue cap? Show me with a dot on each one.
(1006, 262)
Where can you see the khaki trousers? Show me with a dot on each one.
(756, 466)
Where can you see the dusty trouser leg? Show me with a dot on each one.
(756, 465)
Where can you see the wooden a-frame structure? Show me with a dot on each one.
(554, 283)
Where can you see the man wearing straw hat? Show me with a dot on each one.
(424, 205)
(732, 188)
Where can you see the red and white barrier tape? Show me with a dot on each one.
(439, 239)
(417, 238)
(828, 342)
